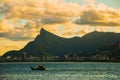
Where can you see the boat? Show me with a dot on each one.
(38, 68)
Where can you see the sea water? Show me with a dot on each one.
(60, 71)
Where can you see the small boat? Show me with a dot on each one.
(38, 68)
(35, 68)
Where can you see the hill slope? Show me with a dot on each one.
(47, 43)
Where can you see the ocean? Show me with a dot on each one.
(60, 71)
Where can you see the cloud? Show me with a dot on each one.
(53, 20)
(5, 27)
(53, 13)
(20, 32)
(80, 33)
(46, 11)
(117, 30)
(7, 45)
(38, 13)
(58, 11)
(99, 15)
(71, 31)
(3, 8)
(100, 29)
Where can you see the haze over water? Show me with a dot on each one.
(61, 71)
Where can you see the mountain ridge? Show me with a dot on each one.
(47, 43)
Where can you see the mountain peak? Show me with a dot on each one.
(43, 31)
(44, 34)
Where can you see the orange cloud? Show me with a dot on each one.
(4, 27)
(53, 13)
(21, 32)
(99, 15)
(58, 11)
(70, 31)
(6, 45)
(47, 11)
(100, 29)
(117, 30)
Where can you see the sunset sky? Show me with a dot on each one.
(21, 20)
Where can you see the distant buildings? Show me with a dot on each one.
(100, 55)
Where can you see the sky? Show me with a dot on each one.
(21, 20)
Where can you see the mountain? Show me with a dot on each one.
(47, 43)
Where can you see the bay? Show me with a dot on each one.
(60, 71)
